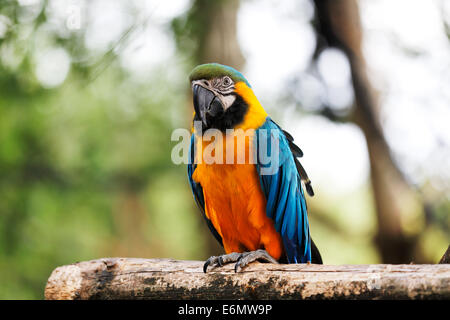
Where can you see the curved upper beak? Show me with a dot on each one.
(206, 104)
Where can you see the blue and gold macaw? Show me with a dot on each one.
(254, 216)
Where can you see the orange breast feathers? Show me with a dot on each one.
(234, 201)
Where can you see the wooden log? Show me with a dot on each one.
(130, 278)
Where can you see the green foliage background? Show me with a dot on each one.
(85, 168)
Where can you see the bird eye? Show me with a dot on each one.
(227, 81)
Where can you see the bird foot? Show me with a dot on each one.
(241, 259)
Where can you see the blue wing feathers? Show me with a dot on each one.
(286, 203)
(195, 187)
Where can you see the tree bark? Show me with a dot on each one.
(221, 43)
(129, 278)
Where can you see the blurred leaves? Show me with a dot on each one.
(85, 166)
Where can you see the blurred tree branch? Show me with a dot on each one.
(333, 115)
(446, 257)
(208, 32)
(338, 25)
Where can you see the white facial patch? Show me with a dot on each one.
(227, 101)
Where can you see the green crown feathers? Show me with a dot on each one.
(215, 70)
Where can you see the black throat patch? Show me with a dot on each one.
(233, 116)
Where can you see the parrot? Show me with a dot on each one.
(254, 215)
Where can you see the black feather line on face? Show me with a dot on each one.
(233, 116)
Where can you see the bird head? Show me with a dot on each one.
(219, 101)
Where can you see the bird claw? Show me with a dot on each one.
(248, 257)
(238, 263)
(241, 259)
(219, 261)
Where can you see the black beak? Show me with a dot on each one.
(206, 104)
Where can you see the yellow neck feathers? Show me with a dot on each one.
(256, 115)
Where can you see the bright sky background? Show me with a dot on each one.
(407, 51)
